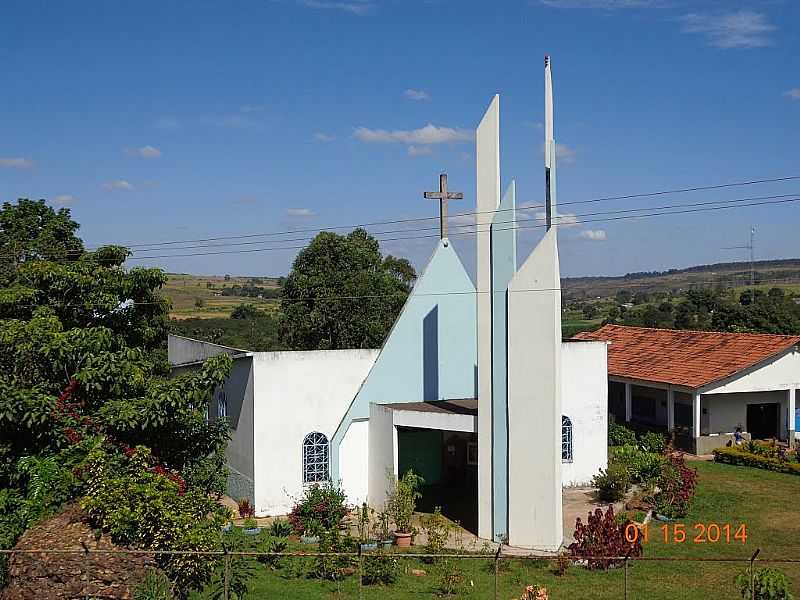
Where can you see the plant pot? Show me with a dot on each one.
(253, 531)
(369, 546)
(309, 539)
(227, 527)
(386, 543)
(403, 540)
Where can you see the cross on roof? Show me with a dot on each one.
(443, 196)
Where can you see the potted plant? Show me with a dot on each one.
(383, 534)
(401, 502)
(311, 533)
(245, 508)
(364, 541)
(250, 526)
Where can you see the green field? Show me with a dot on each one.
(764, 501)
(185, 290)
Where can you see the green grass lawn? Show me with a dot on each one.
(765, 501)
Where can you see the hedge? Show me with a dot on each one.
(734, 456)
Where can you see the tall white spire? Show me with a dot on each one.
(549, 146)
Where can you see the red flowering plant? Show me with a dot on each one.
(322, 508)
(676, 487)
(602, 539)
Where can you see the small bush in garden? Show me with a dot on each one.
(563, 563)
(272, 545)
(154, 586)
(332, 567)
(619, 435)
(437, 528)
(249, 523)
(280, 528)
(380, 568)
(239, 573)
(676, 484)
(245, 508)
(601, 535)
(612, 483)
(652, 442)
(450, 579)
(738, 456)
(643, 467)
(770, 584)
(534, 592)
(322, 506)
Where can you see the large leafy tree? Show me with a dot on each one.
(342, 293)
(83, 375)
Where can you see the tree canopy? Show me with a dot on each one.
(342, 293)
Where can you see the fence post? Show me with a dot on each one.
(496, 561)
(360, 573)
(226, 578)
(627, 556)
(753, 574)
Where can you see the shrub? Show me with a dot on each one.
(619, 435)
(245, 508)
(437, 528)
(333, 567)
(450, 579)
(534, 592)
(602, 536)
(676, 484)
(249, 523)
(612, 483)
(402, 499)
(154, 586)
(280, 528)
(379, 568)
(769, 584)
(322, 507)
(652, 442)
(739, 456)
(269, 546)
(643, 467)
(239, 572)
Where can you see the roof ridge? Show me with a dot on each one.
(709, 332)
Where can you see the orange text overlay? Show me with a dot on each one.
(683, 533)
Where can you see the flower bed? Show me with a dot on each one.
(737, 456)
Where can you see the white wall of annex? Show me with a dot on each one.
(354, 462)
(296, 393)
(584, 399)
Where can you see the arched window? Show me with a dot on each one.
(315, 458)
(566, 439)
(222, 403)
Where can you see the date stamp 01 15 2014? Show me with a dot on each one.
(681, 533)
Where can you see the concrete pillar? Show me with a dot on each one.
(791, 419)
(696, 415)
(628, 403)
(670, 409)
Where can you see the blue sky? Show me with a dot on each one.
(159, 121)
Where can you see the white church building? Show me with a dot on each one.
(473, 388)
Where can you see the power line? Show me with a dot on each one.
(436, 218)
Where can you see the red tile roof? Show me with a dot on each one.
(688, 358)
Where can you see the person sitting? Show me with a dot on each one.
(738, 438)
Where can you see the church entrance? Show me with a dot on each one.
(448, 462)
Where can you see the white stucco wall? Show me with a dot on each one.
(584, 399)
(726, 412)
(354, 462)
(780, 373)
(382, 453)
(297, 393)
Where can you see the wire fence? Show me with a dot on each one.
(499, 575)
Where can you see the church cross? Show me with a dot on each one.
(443, 196)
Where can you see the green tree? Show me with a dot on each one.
(30, 229)
(341, 293)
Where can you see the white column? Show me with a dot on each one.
(790, 418)
(696, 414)
(628, 403)
(670, 409)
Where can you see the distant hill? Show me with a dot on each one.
(768, 273)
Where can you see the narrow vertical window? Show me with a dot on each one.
(222, 404)
(315, 458)
(566, 439)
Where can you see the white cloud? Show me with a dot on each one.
(321, 136)
(793, 93)
(596, 235)
(562, 219)
(416, 94)
(117, 184)
(15, 163)
(357, 7)
(144, 152)
(419, 150)
(602, 4)
(300, 212)
(565, 155)
(430, 134)
(741, 29)
(65, 200)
